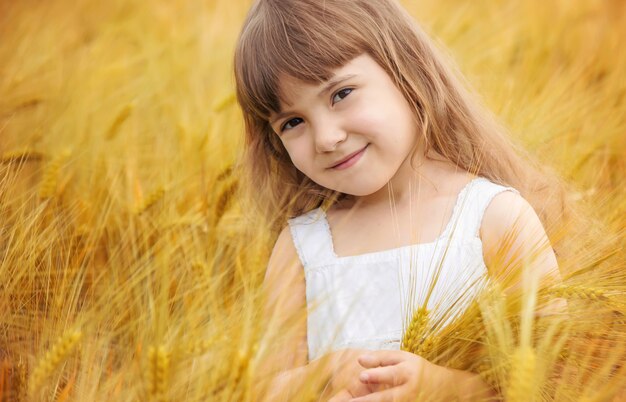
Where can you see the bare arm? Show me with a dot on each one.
(514, 239)
(284, 366)
(285, 302)
(286, 371)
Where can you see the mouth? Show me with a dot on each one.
(349, 160)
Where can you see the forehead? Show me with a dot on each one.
(290, 89)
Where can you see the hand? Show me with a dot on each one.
(355, 389)
(398, 375)
(345, 383)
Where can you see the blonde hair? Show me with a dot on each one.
(307, 39)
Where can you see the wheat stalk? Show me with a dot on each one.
(21, 155)
(50, 176)
(121, 117)
(414, 334)
(152, 199)
(580, 292)
(158, 371)
(228, 188)
(199, 268)
(22, 375)
(200, 347)
(429, 344)
(57, 354)
(225, 198)
(487, 373)
(240, 369)
(520, 385)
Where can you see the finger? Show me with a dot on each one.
(388, 395)
(341, 396)
(389, 375)
(378, 358)
(359, 389)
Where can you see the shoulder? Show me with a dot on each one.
(284, 270)
(512, 234)
(508, 211)
(284, 259)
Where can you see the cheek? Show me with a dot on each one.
(368, 121)
(299, 153)
(383, 119)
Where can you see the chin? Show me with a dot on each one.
(361, 190)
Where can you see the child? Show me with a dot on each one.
(398, 188)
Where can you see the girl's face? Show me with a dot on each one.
(353, 133)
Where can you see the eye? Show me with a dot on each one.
(291, 124)
(341, 94)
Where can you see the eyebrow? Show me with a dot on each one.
(334, 81)
(329, 85)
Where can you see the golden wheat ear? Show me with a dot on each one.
(157, 373)
(50, 177)
(51, 360)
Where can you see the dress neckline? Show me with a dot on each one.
(445, 233)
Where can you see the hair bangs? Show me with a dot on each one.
(290, 40)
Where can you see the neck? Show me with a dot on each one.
(405, 187)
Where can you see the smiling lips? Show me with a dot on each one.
(349, 160)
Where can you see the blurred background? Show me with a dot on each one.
(128, 268)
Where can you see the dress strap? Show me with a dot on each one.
(310, 237)
(470, 207)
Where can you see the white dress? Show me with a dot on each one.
(365, 301)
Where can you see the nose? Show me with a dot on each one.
(327, 135)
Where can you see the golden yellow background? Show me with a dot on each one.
(127, 268)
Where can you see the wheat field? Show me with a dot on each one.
(129, 266)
